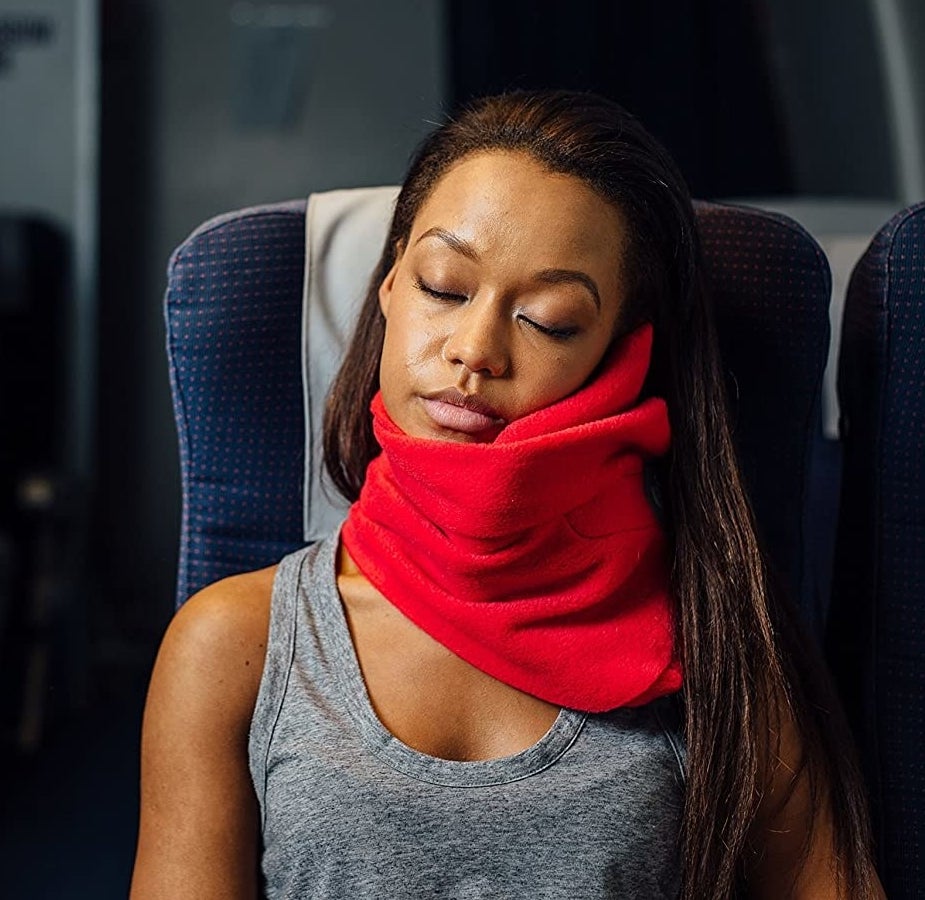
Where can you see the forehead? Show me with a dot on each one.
(507, 203)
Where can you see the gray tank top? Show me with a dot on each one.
(348, 811)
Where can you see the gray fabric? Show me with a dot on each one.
(344, 234)
(348, 812)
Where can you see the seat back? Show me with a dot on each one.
(876, 639)
(233, 310)
(234, 320)
(771, 286)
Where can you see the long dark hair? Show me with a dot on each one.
(745, 664)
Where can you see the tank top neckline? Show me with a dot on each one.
(337, 644)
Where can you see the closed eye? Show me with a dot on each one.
(560, 334)
(439, 295)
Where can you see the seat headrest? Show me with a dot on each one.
(344, 236)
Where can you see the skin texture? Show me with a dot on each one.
(500, 247)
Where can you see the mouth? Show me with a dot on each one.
(466, 413)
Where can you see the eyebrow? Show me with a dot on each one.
(452, 241)
(547, 276)
(570, 276)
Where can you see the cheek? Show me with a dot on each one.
(410, 345)
(393, 378)
(428, 330)
(558, 382)
(549, 377)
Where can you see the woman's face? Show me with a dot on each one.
(504, 300)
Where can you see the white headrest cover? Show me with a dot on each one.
(344, 235)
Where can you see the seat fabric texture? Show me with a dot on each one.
(876, 637)
(233, 340)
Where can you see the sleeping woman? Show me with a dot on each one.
(542, 657)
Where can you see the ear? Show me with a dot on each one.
(385, 289)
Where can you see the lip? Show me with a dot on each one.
(465, 413)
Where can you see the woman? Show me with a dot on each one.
(542, 657)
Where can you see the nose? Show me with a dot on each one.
(478, 340)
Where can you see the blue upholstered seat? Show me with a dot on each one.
(234, 305)
(233, 325)
(877, 618)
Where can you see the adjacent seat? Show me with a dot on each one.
(876, 636)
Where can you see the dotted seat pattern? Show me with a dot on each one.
(877, 617)
(771, 285)
(233, 319)
(233, 316)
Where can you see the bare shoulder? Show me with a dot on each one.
(197, 800)
(793, 833)
(218, 638)
(240, 601)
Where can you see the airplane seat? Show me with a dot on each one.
(876, 631)
(254, 293)
(259, 308)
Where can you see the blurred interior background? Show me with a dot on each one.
(126, 123)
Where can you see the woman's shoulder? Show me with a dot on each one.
(237, 607)
(217, 640)
(232, 602)
(197, 798)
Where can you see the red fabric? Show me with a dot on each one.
(536, 557)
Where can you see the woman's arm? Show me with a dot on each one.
(784, 865)
(198, 835)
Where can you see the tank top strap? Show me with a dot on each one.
(669, 713)
(277, 668)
